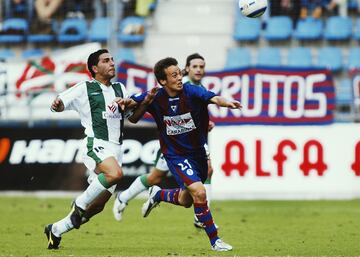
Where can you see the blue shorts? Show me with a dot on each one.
(188, 169)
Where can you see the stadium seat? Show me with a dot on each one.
(247, 29)
(356, 32)
(354, 58)
(278, 28)
(6, 54)
(308, 29)
(14, 30)
(100, 29)
(299, 57)
(72, 30)
(43, 37)
(344, 92)
(330, 58)
(125, 54)
(269, 57)
(238, 57)
(338, 28)
(132, 30)
(32, 53)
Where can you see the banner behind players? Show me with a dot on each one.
(269, 96)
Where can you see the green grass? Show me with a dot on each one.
(254, 228)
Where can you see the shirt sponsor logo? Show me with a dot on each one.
(179, 124)
(106, 115)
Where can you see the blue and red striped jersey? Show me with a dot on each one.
(182, 121)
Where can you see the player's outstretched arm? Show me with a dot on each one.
(57, 105)
(142, 107)
(125, 103)
(221, 101)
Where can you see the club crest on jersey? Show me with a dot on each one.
(179, 124)
(112, 108)
(173, 108)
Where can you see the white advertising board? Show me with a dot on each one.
(286, 162)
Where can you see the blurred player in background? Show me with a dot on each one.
(103, 119)
(180, 112)
(194, 72)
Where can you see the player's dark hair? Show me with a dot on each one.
(93, 60)
(189, 59)
(161, 66)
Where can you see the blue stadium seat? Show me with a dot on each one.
(247, 29)
(44, 38)
(356, 33)
(125, 54)
(354, 58)
(269, 57)
(238, 57)
(344, 92)
(6, 54)
(338, 28)
(32, 53)
(14, 30)
(308, 29)
(132, 30)
(72, 30)
(100, 29)
(299, 57)
(278, 28)
(330, 58)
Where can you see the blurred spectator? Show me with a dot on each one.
(289, 8)
(338, 7)
(45, 12)
(18, 8)
(143, 7)
(101, 7)
(45, 9)
(311, 8)
(82, 8)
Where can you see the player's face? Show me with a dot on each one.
(196, 70)
(173, 81)
(106, 66)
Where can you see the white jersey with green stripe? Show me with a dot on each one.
(99, 114)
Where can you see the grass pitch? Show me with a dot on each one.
(254, 228)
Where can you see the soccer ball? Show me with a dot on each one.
(252, 8)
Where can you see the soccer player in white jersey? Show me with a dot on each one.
(102, 116)
(195, 71)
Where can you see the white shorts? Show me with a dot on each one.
(160, 162)
(207, 151)
(95, 151)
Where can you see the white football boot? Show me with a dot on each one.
(221, 246)
(150, 203)
(118, 209)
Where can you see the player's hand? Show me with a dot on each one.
(234, 105)
(122, 102)
(150, 95)
(211, 125)
(57, 105)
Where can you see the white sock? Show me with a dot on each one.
(208, 193)
(89, 195)
(62, 226)
(135, 188)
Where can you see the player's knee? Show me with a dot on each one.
(200, 196)
(115, 175)
(187, 204)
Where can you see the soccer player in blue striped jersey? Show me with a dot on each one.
(194, 72)
(180, 112)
